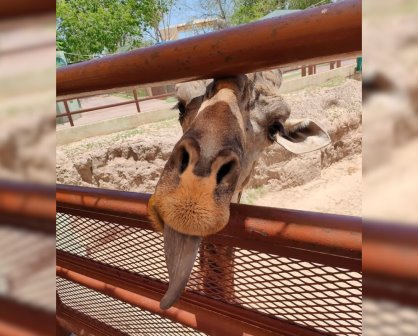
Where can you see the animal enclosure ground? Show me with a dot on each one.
(327, 181)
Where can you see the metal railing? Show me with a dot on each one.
(135, 101)
(27, 222)
(315, 35)
(279, 272)
(285, 264)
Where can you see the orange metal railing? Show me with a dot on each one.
(106, 244)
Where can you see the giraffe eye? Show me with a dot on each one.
(181, 107)
(273, 129)
(182, 110)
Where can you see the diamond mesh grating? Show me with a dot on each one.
(120, 315)
(308, 294)
(27, 267)
(388, 318)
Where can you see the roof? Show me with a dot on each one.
(280, 12)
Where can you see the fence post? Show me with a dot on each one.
(303, 70)
(310, 70)
(68, 113)
(217, 269)
(136, 100)
(338, 64)
(331, 65)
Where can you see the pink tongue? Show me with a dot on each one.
(180, 255)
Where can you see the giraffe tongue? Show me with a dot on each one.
(180, 254)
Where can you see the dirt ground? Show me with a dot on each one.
(337, 190)
(328, 180)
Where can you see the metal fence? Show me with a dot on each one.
(68, 113)
(390, 279)
(275, 271)
(27, 240)
(271, 271)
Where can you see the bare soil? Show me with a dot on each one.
(326, 180)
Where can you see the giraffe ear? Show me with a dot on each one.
(303, 136)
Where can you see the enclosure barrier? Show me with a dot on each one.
(295, 273)
(135, 101)
(390, 278)
(27, 213)
(283, 272)
(20, 8)
(315, 35)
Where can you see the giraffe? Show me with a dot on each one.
(227, 123)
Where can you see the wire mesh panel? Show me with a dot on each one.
(122, 316)
(312, 295)
(27, 267)
(384, 317)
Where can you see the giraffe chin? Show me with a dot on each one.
(180, 254)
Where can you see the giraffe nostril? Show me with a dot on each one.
(185, 157)
(223, 171)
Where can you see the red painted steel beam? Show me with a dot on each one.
(200, 313)
(17, 319)
(91, 109)
(329, 239)
(316, 35)
(80, 324)
(15, 8)
(390, 250)
(27, 206)
(390, 254)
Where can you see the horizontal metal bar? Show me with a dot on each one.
(198, 312)
(380, 287)
(328, 239)
(101, 107)
(20, 319)
(390, 254)
(92, 109)
(390, 250)
(314, 35)
(27, 206)
(15, 8)
(80, 324)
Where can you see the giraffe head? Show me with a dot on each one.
(227, 123)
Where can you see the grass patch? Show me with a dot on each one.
(251, 195)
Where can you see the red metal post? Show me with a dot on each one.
(136, 100)
(310, 70)
(68, 112)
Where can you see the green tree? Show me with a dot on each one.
(91, 27)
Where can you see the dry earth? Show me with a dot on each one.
(326, 180)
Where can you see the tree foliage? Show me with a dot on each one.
(91, 27)
(87, 28)
(250, 10)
